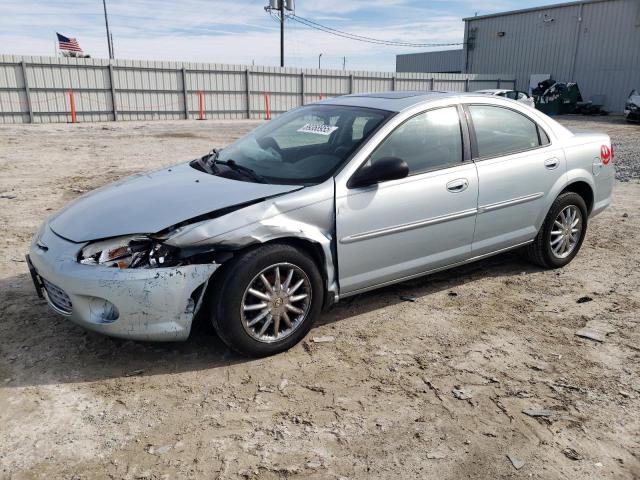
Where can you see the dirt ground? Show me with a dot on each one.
(434, 388)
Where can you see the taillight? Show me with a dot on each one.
(605, 154)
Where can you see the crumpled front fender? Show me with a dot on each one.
(307, 214)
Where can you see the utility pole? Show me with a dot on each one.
(280, 6)
(282, 33)
(344, 63)
(106, 23)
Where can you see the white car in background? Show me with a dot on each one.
(516, 95)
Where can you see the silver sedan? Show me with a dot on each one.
(327, 201)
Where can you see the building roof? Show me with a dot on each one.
(533, 9)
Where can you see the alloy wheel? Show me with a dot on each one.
(276, 302)
(566, 231)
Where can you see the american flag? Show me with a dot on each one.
(68, 44)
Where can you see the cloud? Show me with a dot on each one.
(228, 31)
(345, 6)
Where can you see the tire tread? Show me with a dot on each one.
(241, 267)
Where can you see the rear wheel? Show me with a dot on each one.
(562, 232)
(267, 300)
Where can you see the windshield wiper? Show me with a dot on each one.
(208, 162)
(240, 168)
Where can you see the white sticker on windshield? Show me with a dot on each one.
(318, 128)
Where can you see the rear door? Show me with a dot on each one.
(402, 228)
(517, 168)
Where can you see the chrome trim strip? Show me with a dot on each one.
(429, 272)
(408, 226)
(509, 203)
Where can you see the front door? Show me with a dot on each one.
(402, 228)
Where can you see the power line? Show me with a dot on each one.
(362, 38)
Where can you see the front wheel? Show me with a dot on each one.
(562, 232)
(267, 300)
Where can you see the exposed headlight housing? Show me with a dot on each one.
(130, 251)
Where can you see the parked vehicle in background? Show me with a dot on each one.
(632, 107)
(327, 201)
(516, 95)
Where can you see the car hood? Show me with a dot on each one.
(148, 203)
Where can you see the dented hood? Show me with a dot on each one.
(148, 203)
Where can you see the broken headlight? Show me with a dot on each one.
(131, 251)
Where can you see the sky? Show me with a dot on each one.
(240, 31)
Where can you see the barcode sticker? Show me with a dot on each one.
(318, 128)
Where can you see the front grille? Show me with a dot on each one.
(58, 299)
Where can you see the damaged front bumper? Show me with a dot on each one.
(156, 304)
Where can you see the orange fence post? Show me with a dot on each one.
(72, 104)
(201, 106)
(266, 106)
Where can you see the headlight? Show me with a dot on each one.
(631, 106)
(131, 251)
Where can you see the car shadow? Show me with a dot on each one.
(503, 265)
(39, 347)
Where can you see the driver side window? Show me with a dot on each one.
(428, 141)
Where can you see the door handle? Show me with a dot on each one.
(551, 163)
(457, 186)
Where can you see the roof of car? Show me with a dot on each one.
(395, 101)
(492, 90)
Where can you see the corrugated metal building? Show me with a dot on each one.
(444, 61)
(595, 43)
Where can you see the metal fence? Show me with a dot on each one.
(44, 89)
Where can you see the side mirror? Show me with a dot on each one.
(387, 168)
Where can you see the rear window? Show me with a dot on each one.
(501, 131)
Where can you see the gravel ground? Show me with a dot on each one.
(440, 387)
(625, 137)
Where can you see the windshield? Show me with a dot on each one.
(305, 145)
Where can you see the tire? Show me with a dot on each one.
(541, 250)
(231, 293)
